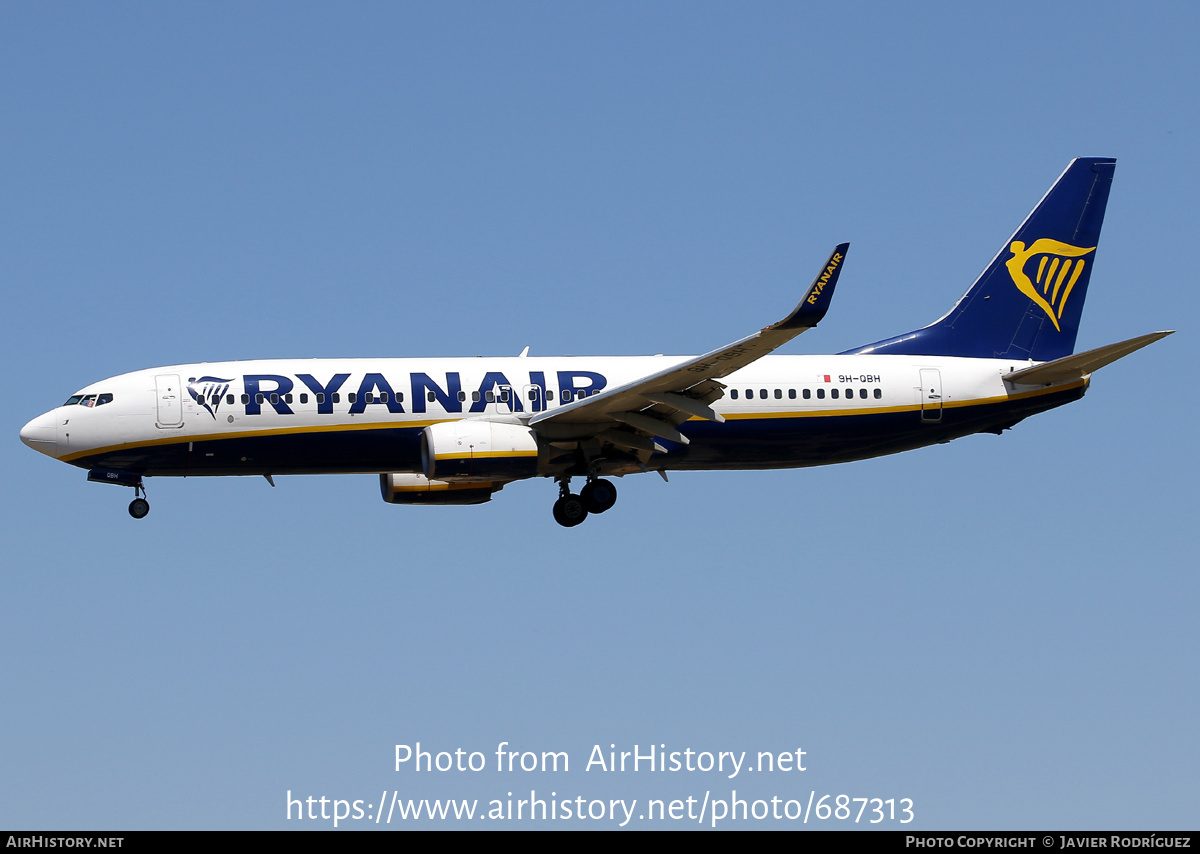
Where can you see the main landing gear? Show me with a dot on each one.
(596, 496)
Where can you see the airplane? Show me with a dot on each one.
(456, 431)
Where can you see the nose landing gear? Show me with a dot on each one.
(139, 506)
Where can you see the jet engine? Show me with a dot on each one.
(476, 450)
(405, 488)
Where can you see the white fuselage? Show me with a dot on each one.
(350, 415)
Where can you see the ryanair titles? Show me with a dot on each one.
(351, 393)
(835, 261)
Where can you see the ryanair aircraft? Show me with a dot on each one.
(456, 431)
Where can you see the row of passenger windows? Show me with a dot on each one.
(492, 396)
(834, 393)
(381, 397)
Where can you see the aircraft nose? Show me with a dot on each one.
(40, 434)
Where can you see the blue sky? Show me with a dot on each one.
(1001, 629)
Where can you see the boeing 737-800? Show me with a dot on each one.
(456, 431)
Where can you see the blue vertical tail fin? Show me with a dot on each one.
(1027, 303)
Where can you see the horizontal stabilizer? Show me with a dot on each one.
(1081, 364)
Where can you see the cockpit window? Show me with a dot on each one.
(89, 399)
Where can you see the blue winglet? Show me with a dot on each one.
(816, 299)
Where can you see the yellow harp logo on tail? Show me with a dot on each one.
(1058, 269)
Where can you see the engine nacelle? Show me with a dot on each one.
(404, 488)
(472, 450)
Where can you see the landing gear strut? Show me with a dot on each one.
(596, 496)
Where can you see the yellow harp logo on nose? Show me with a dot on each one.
(1058, 269)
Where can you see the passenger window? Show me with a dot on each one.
(245, 398)
(791, 394)
(733, 394)
(303, 397)
(762, 393)
(462, 396)
(274, 398)
(430, 396)
(778, 394)
(491, 396)
(833, 392)
(820, 394)
(352, 396)
(566, 395)
(259, 399)
(807, 394)
(320, 397)
(336, 397)
(369, 397)
(862, 392)
(549, 394)
(475, 396)
(849, 394)
(503, 395)
(878, 393)
(287, 398)
(229, 399)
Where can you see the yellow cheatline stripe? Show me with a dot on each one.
(476, 455)
(179, 438)
(816, 413)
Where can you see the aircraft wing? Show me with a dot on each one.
(658, 403)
